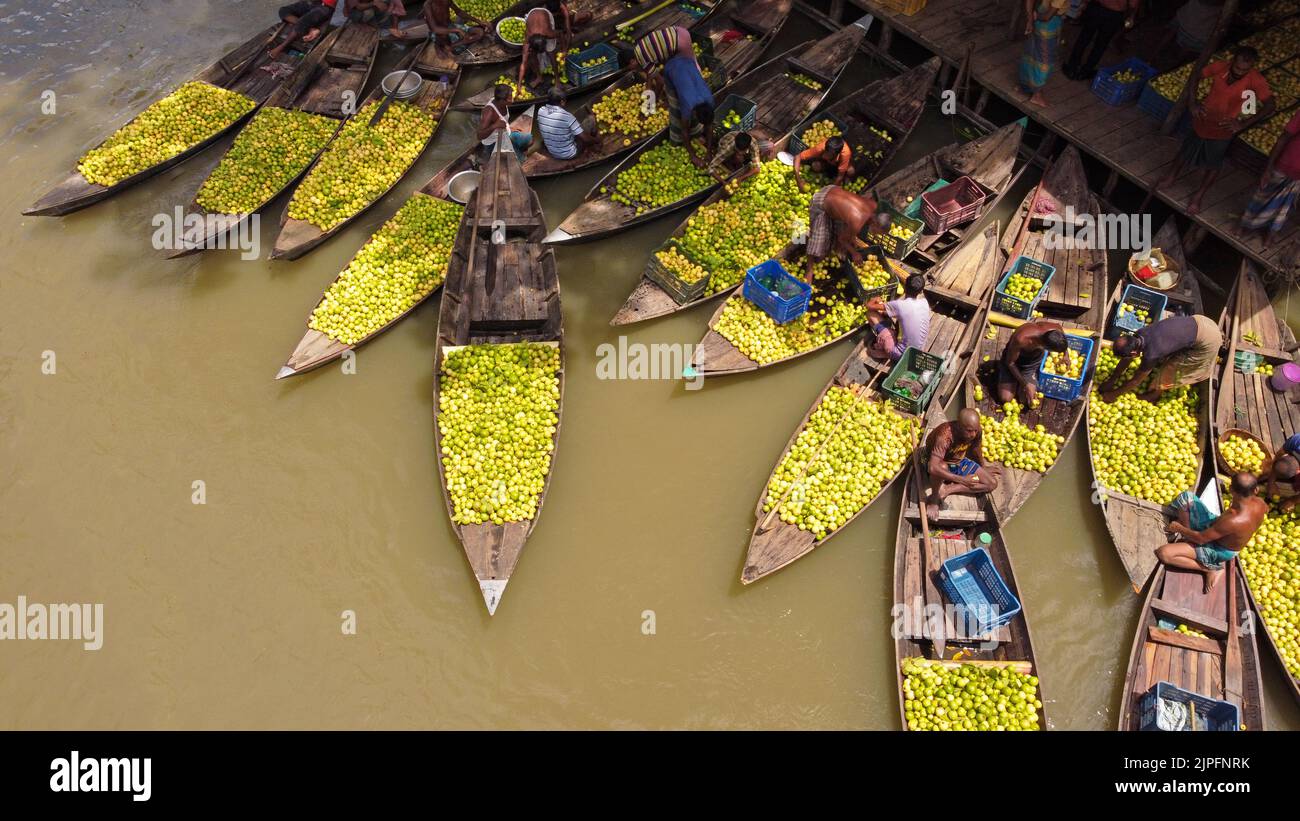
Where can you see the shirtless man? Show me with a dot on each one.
(947, 448)
(1283, 473)
(1209, 542)
(1018, 367)
(841, 215)
(541, 42)
(437, 16)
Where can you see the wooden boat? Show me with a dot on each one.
(619, 31)
(440, 78)
(649, 301)
(1080, 274)
(492, 50)
(762, 18)
(499, 292)
(1137, 526)
(955, 325)
(239, 70)
(715, 355)
(918, 554)
(1244, 401)
(334, 73)
(1224, 666)
(782, 104)
(315, 348)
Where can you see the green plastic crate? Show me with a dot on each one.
(912, 365)
(894, 246)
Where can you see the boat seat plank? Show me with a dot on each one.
(355, 44)
(1199, 621)
(327, 94)
(1173, 638)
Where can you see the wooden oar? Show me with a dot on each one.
(644, 15)
(251, 61)
(306, 70)
(939, 643)
(388, 98)
(1232, 653)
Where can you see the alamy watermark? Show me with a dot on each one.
(657, 360)
(34, 621)
(916, 618)
(1120, 232)
(180, 231)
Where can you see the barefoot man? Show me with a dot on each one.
(437, 16)
(841, 215)
(1209, 542)
(955, 457)
(1028, 348)
(1239, 97)
(306, 19)
(1181, 349)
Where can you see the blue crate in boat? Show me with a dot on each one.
(781, 296)
(971, 580)
(1214, 715)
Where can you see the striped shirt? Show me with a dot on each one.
(657, 47)
(558, 128)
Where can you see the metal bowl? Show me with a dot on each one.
(410, 87)
(463, 185)
(502, 37)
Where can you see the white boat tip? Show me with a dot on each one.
(492, 590)
(558, 235)
(285, 371)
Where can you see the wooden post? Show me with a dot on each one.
(1194, 79)
(886, 36)
(1109, 186)
(983, 100)
(836, 12)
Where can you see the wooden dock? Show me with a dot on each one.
(1123, 138)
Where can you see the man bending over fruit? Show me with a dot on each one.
(1283, 473)
(1180, 349)
(830, 155)
(1028, 348)
(955, 457)
(1210, 542)
(437, 16)
(841, 215)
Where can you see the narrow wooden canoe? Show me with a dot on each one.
(239, 70)
(919, 633)
(491, 50)
(1081, 272)
(649, 301)
(1137, 526)
(620, 30)
(441, 77)
(954, 328)
(335, 73)
(1245, 401)
(715, 355)
(315, 348)
(1211, 667)
(477, 310)
(737, 55)
(782, 104)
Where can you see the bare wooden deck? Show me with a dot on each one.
(1123, 138)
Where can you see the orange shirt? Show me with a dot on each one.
(816, 152)
(1223, 103)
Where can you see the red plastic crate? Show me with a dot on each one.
(953, 204)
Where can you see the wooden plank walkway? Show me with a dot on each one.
(1125, 139)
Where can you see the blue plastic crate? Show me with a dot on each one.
(971, 580)
(1151, 103)
(1015, 306)
(1153, 301)
(580, 76)
(1217, 716)
(1114, 92)
(781, 296)
(1064, 388)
